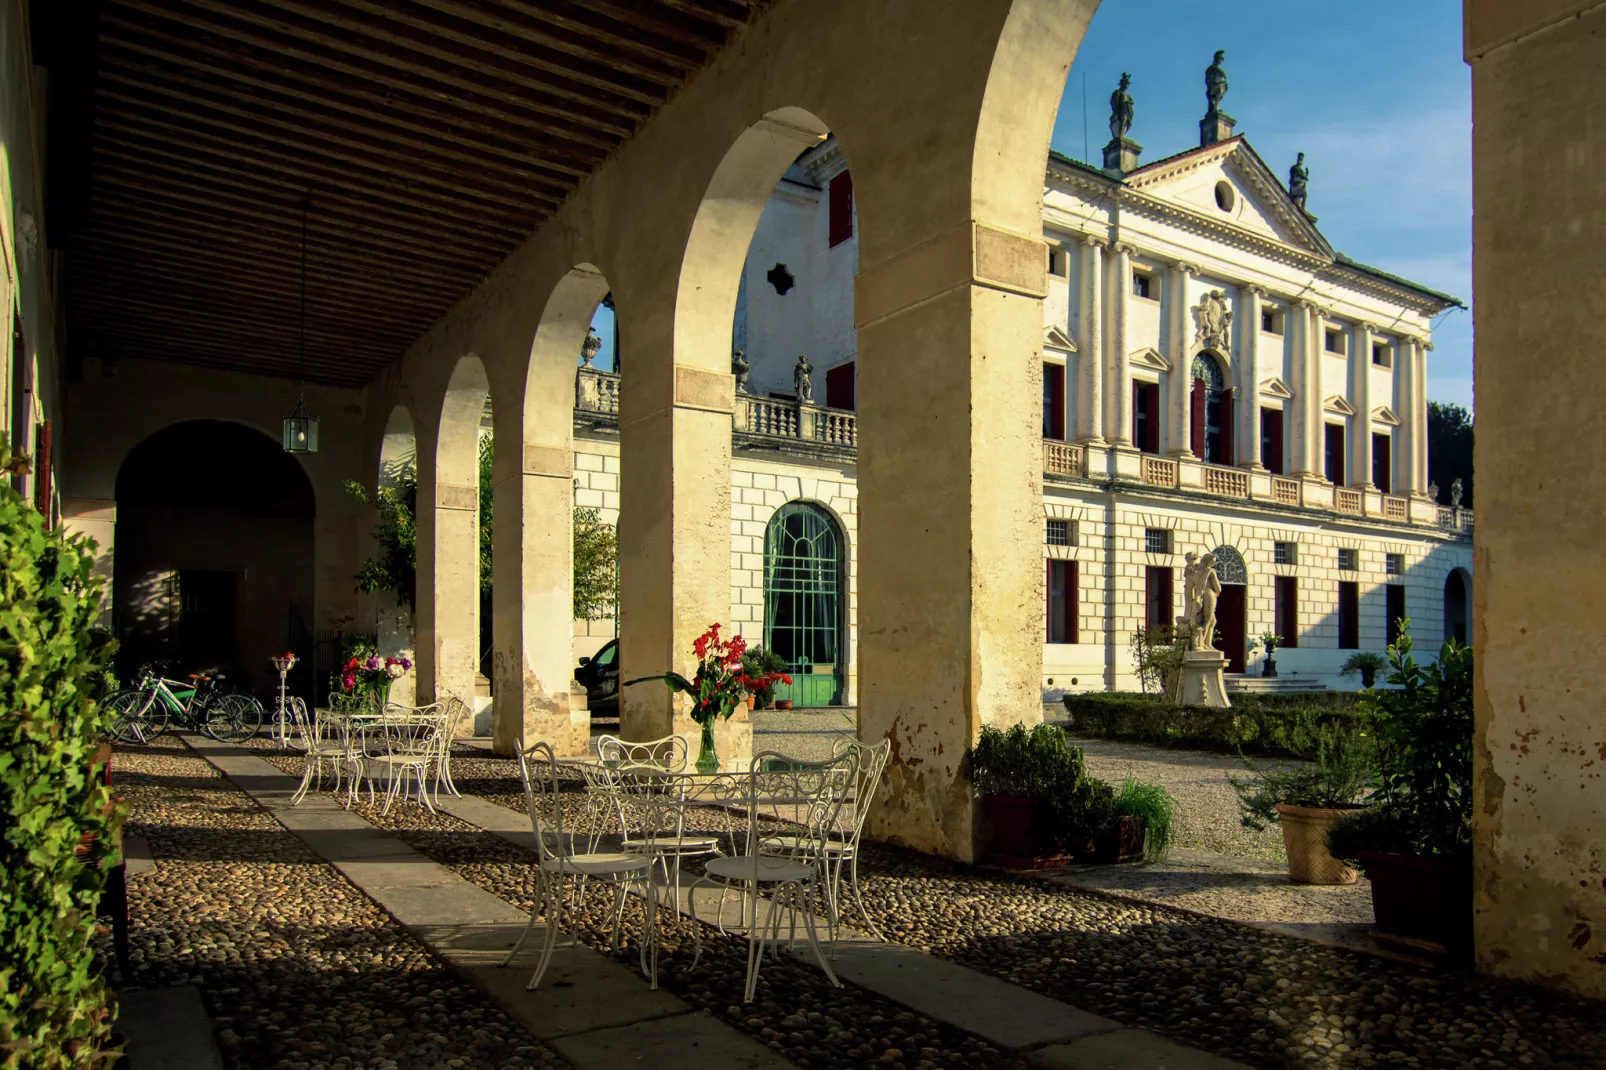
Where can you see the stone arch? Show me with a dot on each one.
(806, 597)
(398, 448)
(214, 556)
(1232, 607)
(394, 612)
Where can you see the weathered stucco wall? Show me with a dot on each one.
(1539, 109)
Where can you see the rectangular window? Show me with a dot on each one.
(1287, 610)
(1382, 463)
(1285, 553)
(1396, 609)
(1142, 285)
(1394, 564)
(1382, 354)
(1157, 540)
(1062, 602)
(1271, 320)
(1146, 416)
(1271, 440)
(1349, 615)
(1059, 533)
(840, 386)
(840, 221)
(1334, 341)
(1335, 454)
(1157, 596)
(1349, 560)
(1056, 262)
(1053, 401)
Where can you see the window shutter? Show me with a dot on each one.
(841, 208)
(1229, 456)
(1197, 439)
(1073, 609)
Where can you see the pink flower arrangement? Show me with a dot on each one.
(372, 673)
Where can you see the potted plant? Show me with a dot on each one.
(1038, 803)
(1269, 640)
(759, 663)
(1365, 662)
(1414, 840)
(719, 683)
(1143, 824)
(1307, 802)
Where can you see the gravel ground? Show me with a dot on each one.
(298, 969)
(1260, 997)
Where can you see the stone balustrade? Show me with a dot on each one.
(789, 421)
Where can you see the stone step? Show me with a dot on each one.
(1239, 682)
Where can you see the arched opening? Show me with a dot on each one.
(395, 549)
(1232, 607)
(1212, 421)
(805, 602)
(214, 563)
(1457, 623)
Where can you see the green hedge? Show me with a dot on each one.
(1289, 724)
(54, 1007)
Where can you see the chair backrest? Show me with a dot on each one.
(872, 764)
(538, 770)
(401, 733)
(669, 753)
(812, 792)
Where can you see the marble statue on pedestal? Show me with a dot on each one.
(1202, 663)
(802, 381)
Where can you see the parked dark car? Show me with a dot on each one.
(600, 677)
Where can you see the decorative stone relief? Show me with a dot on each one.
(1214, 321)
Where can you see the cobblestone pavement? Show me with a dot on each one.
(297, 968)
(1264, 998)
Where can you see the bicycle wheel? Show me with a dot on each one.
(231, 718)
(136, 716)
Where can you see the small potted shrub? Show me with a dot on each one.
(1367, 664)
(1037, 800)
(759, 664)
(1414, 840)
(1307, 802)
(1143, 824)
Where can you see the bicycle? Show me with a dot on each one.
(142, 713)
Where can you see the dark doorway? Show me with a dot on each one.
(1382, 464)
(214, 564)
(1455, 607)
(1349, 615)
(1211, 412)
(1054, 401)
(1395, 610)
(1146, 416)
(1335, 454)
(839, 386)
(1271, 440)
(1232, 625)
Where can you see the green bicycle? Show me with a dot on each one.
(142, 713)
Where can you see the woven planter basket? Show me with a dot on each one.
(1305, 838)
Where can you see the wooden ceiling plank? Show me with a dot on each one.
(420, 116)
(557, 60)
(430, 62)
(269, 141)
(397, 141)
(653, 19)
(597, 40)
(202, 325)
(522, 112)
(114, 343)
(134, 143)
(722, 12)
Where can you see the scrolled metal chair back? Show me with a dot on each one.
(669, 753)
(814, 792)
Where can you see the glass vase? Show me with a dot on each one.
(707, 758)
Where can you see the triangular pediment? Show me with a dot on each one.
(1275, 387)
(1148, 357)
(1054, 338)
(1385, 415)
(1339, 405)
(1229, 185)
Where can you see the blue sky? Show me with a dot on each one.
(1375, 94)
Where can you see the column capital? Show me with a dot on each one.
(1123, 247)
(1186, 268)
(1369, 328)
(1253, 288)
(1097, 241)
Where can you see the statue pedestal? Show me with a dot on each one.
(1121, 155)
(1215, 128)
(1202, 682)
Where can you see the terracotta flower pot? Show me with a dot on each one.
(1010, 836)
(1421, 900)
(1305, 831)
(783, 703)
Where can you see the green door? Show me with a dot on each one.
(804, 595)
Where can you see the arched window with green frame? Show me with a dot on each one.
(804, 596)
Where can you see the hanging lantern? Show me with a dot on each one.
(300, 430)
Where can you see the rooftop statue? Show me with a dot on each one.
(590, 347)
(1215, 83)
(1298, 180)
(1121, 109)
(1455, 493)
(740, 367)
(801, 381)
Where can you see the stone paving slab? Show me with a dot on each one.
(167, 1029)
(137, 858)
(597, 1012)
(1128, 1049)
(686, 1042)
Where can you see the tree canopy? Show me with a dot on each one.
(1450, 449)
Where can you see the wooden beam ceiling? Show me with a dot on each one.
(432, 137)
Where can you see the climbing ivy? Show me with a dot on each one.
(54, 1006)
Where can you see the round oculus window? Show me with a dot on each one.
(1225, 197)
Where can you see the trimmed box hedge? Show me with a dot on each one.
(1286, 724)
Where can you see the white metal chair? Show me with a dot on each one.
(841, 847)
(651, 807)
(456, 711)
(669, 753)
(399, 749)
(321, 740)
(815, 791)
(557, 859)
